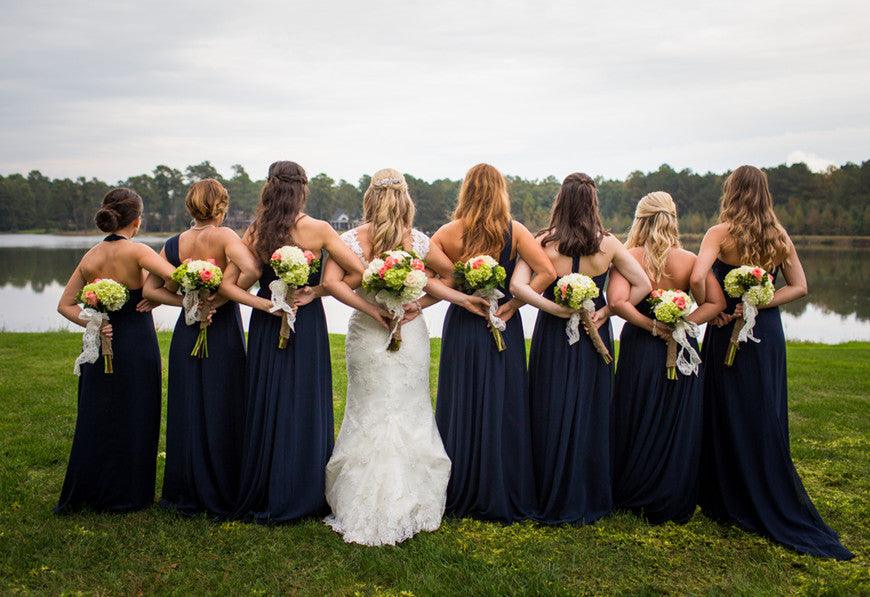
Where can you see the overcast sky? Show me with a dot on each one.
(112, 88)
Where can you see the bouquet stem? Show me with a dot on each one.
(592, 332)
(733, 343)
(284, 332)
(497, 336)
(200, 349)
(671, 361)
(396, 337)
(106, 347)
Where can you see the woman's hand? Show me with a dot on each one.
(600, 317)
(477, 305)
(106, 330)
(563, 311)
(412, 312)
(145, 306)
(663, 331)
(303, 296)
(507, 310)
(383, 317)
(738, 311)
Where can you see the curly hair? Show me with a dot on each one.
(484, 209)
(575, 222)
(655, 229)
(388, 208)
(282, 199)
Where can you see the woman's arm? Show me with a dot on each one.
(333, 283)
(530, 251)
(155, 291)
(795, 281)
(714, 302)
(67, 305)
(618, 293)
(704, 263)
(523, 291)
(441, 288)
(248, 267)
(632, 271)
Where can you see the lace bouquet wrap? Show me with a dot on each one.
(483, 276)
(197, 280)
(395, 279)
(671, 307)
(294, 267)
(754, 287)
(576, 291)
(98, 299)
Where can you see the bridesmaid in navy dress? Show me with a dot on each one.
(113, 460)
(657, 421)
(482, 410)
(570, 384)
(289, 431)
(747, 474)
(206, 396)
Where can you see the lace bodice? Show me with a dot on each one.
(419, 244)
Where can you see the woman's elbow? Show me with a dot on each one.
(802, 290)
(645, 285)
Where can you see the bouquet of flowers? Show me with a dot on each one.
(99, 298)
(294, 267)
(671, 307)
(197, 279)
(576, 291)
(395, 279)
(754, 287)
(483, 276)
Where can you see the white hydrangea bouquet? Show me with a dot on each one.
(754, 287)
(483, 276)
(394, 279)
(99, 298)
(671, 307)
(576, 291)
(198, 279)
(294, 267)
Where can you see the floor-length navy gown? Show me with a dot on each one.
(656, 430)
(569, 394)
(483, 414)
(288, 425)
(205, 412)
(747, 474)
(112, 464)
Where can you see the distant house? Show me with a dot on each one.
(341, 221)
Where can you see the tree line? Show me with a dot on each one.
(834, 202)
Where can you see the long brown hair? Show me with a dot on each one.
(753, 228)
(484, 210)
(282, 199)
(575, 223)
(655, 230)
(388, 209)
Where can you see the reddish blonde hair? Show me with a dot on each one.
(484, 210)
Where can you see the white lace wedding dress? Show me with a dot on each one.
(387, 478)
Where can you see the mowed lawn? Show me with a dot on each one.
(156, 552)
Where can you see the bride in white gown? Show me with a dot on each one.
(387, 478)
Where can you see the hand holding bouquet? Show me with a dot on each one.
(754, 287)
(197, 280)
(99, 298)
(483, 276)
(576, 291)
(671, 307)
(395, 279)
(294, 267)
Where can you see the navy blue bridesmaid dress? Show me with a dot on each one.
(483, 414)
(747, 475)
(205, 412)
(113, 462)
(570, 390)
(289, 432)
(656, 430)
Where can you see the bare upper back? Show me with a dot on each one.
(118, 260)
(591, 265)
(449, 238)
(678, 268)
(207, 243)
(307, 233)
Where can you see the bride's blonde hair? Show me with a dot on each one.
(388, 209)
(656, 231)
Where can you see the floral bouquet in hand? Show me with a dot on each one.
(99, 298)
(671, 307)
(483, 276)
(754, 287)
(576, 291)
(197, 280)
(294, 267)
(395, 279)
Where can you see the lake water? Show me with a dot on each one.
(34, 268)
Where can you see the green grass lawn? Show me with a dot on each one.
(157, 552)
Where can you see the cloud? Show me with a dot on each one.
(813, 162)
(111, 89)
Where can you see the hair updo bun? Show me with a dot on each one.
(207, 199)
(106, 219)
(120, 208)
